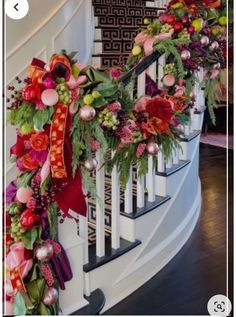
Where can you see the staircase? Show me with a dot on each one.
(116, 24)
(139, 229)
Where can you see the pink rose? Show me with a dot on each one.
(140, 105)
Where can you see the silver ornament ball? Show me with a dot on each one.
(205, 40)
(50, 296)
(152, 148)
(214, 46)
(87, 113)
(216, 66)
(90, 164)
(44, 252)
(185, 55)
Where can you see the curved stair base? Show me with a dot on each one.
(166, 252)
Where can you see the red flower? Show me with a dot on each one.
(156, 125)
(159, 108)
(39, 141)
(29, 163)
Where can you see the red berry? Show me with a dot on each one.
(185, 21)
(191, 29)
(171, 19)
(178, 26)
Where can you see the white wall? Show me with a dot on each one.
(50, 26)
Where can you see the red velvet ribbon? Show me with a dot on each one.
(68, 190)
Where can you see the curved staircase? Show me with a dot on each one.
(139, 229)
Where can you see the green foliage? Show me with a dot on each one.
(29, 237)
(52, 219)
(19, 307)
(42, 116)
(211, 97)
(169, 48)
(82, 132)
(23, 114)
(24, 179)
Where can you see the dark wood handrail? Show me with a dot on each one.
(139, 68)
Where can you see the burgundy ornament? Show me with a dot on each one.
(50, 296)
(191, 29)
(185, 55)
(44, 252)
(87, 113)
(152, 148)
(185, 20)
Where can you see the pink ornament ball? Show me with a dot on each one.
(152, 148)
(44, 252)
(169, 80)
(50, 296)
(49, 83)
(49, 97)
(87, 113)
(23, 194)
(185, 55)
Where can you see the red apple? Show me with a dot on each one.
(171, 19)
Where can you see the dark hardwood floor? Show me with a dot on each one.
(198, 272)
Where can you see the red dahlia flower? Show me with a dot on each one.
(159, 108)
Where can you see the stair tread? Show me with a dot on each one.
(148, 206)
(96, 303)
(191, 136)
(110, 254)
(175, 168)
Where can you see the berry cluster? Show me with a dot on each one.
(166, 28)
(108, 119)
(170, 69)
(65, 95)
(16, 228)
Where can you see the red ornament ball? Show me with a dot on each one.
(178, 26)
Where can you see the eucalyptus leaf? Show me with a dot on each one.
(43, 309)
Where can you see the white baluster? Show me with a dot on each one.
(129, 194)
(161, 64)
(186, 130)
(176, 156)
(191, 129)
(151, 180)
(115, 208)
(140, 181)
(83, 233)
(160, 162)
(100, 212)
(169, 161)
(152, 71)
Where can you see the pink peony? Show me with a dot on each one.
(141, 148)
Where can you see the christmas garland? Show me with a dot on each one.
(192, 34)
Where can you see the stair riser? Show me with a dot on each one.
(125, 11)
(118, 22)
(109, 60)
(112, 46)
(118, 34)
(128, 3)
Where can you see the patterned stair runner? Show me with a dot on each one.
(118, 22)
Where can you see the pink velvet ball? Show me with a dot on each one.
(23, 194)
(49, 97)
(50, 297)
(169, 80)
